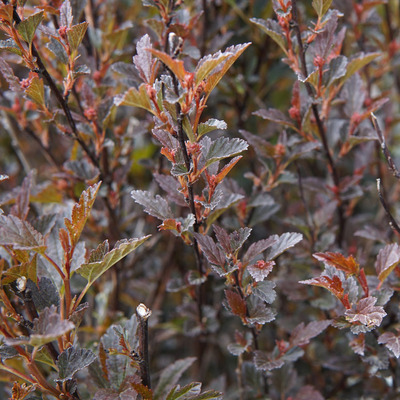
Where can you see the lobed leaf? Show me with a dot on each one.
(265, 362)
(265, 291)
(391, 341)
(72, 360)
(366, 313)
(156, 206)
(170, 376)
(93, 270)
(258, 247)
(260, 270)
(20, 235)
(302, 334)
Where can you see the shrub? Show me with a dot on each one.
(167, 220)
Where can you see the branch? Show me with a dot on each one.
(318, 121)
(392, 166)
(143, 313)
(392, 222)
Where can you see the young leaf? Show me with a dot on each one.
(20, 235)
(8, 74)
(388, 258)
(72, 360)
(339, 261)
(366, 312)
(80, 213)
(176, 66)
(237, 238)
(391, 341)
(93, 270)
(260, 270)
(223, 239)
(156, 206)
(284, 242)
(28, 26)
(334, 284)
(170, 376)
(76, 34)
(182, 393)
(215, 150)
(301, 335)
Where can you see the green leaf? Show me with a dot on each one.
(321, 6)
(273, 30)
(209, 126)
(80, 213)
(177, 392)
(27, 27)
(221, 148)
(72, 360)
(35, 91)
(10, 45)
(76, 34)
(20, 235)
(135, 98)
(356, 64)
(170, 376)
(93, 270)
(234, 53)
(207, 64)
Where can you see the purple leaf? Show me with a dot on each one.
(263, 361)
(212, 252)
(387, 259)
(260, 270)
(144, 60)
(308, 393)
(223, 238)
(66, 17)
(391, 341)
(265, 291)
(366, 312)
(284, 242)
(156, 206)
(258, 247)
(20, 234)
(71, 360)
(302, 334)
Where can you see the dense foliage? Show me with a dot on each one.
(215, 217)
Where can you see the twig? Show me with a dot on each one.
(392, 166)
(318, 121)
(392, 222)
(143, 313)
